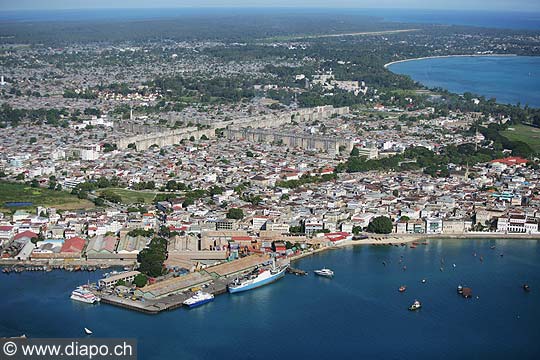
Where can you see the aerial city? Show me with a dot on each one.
(270, 180)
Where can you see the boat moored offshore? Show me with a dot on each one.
(415, 306)
(324, 272)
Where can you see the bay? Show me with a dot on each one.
(509, 79)
(357, 314)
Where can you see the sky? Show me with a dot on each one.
(513, 5)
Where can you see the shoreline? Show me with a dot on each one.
(397, 239)
(447, 56)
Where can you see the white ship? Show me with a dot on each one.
(258, 278)
(324, 272)
(83, 295)
(198, 299)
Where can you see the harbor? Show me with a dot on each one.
(362, 291)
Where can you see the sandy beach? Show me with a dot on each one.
(445, 56)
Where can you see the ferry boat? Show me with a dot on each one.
(199, 299)
(258, 278)
(83, 295)
(324, 272)
(415, 306)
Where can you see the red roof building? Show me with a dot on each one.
(73, 245)
(511, 161)
(25, 234)
(337, 236)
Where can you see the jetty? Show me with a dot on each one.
(155, 306)
(294, 271)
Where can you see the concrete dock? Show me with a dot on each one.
(155, 306)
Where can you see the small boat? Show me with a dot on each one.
(423, 281)
(415, 305)
(324, 272)
(441, 269)
(466, 293)
(460, 289)
(454, 265)
(526, 288)
(198, 299)
(88, 331)
(402, 288)
(492, 247)
(413, 246)
(424, 243)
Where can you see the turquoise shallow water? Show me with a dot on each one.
(358, 314)
(508, 79)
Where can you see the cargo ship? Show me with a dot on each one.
(258, 278)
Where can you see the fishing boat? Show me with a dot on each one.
(88, 331)
(324, 272)
(198, 299)
(415, 305)
(402, 288)
(258, 278)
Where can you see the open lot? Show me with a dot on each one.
(525, 133)
(62, 200)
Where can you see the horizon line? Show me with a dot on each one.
(247, 7)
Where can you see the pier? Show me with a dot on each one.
(298, 272)
(155, 306)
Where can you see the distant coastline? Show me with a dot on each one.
(446, 56)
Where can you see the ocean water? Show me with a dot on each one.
(358, 314)
(517, 20)
(492, 19)
(509, 79)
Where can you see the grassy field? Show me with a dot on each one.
(61, 200)
(527, 134)
(133, 196)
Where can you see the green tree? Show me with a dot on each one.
(235, 213)
(380, 225)
(140, 280)
(151, 258)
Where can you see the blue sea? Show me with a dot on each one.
(359, 314)
(519, 20)
(511, 79)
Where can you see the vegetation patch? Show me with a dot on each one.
(62, 200)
